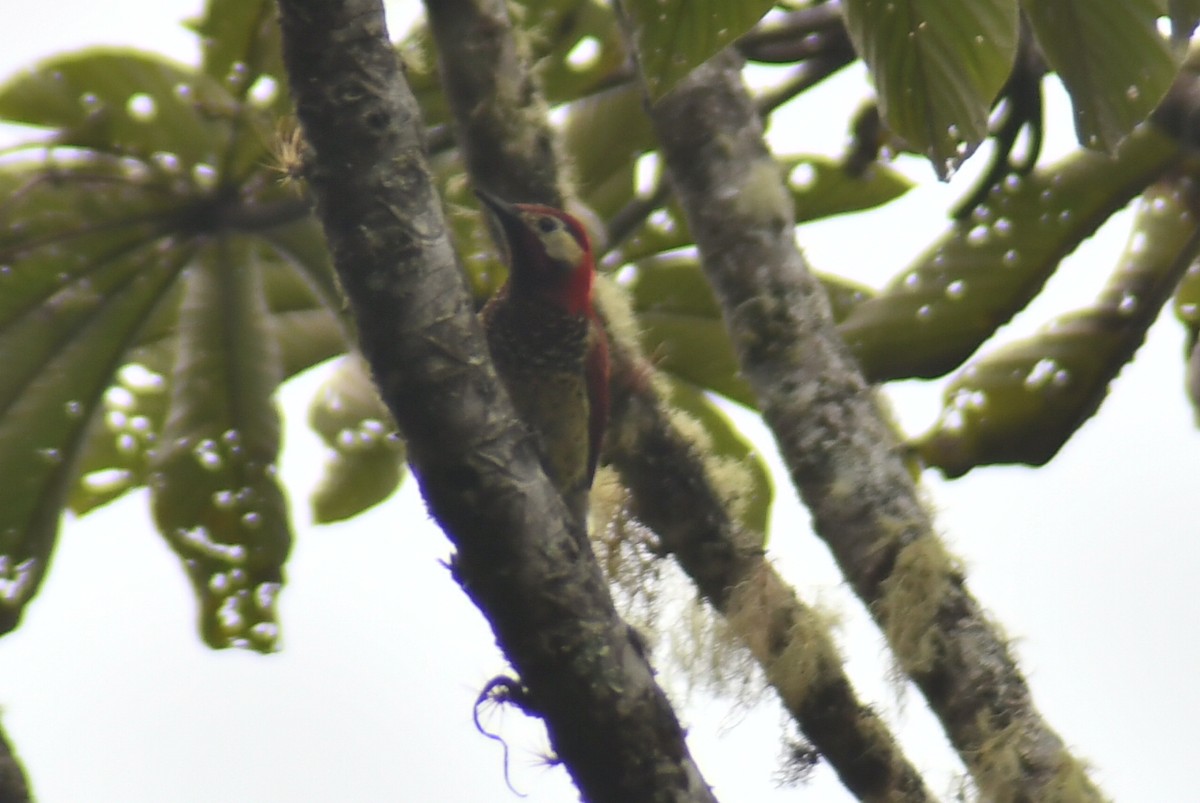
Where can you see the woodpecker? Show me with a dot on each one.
(548, 343)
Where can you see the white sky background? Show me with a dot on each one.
(1090, 565)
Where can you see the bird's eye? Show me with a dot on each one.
(547, 224)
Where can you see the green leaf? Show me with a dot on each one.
(1021, 403)
(301, 245)
(242, 52)
(1109, 53)
(125, 102)
(937, 67)
(368, 459)
(674, 37)
(822, 188)
(604, 135)
(240, 43)
(1185, 14)
(577, 46)
(664, 229)
(979, 274)
(748, 490)
(1187, 301)
(819, 186)
(844, 295)
(1187, 310)
(215, 495)
(306, 338)
(116, 457)
(682, 330)
(59, 348)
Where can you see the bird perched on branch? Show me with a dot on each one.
(548, 343)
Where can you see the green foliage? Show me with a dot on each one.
(1112, 58)
(1184, 14)
(682, 328)
(675, 36)
(158, 280)
(1021, 403)
(981, 273)
(120, 102)
(212, 480)
(71, 307)
(366, 460)
(144, 335)
(821, 187)
(937, 67)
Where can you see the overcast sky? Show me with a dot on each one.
(1090, 565)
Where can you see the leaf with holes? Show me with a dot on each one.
(367, 460)
(979, 274)
(577, 46)
(240, 44)
(937, 67)
(116, 457)
(1021, 403)
(1187, 301)
(1115, 63)
(674, 37)
(215, 496)
(67, 318)
(822, 188)
(1187, 310)
(124, 102)
(1184, 14)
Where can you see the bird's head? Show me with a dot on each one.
(548, 252)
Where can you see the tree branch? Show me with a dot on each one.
(672, 489)
(675, 496)
(520, 557)
(499, 113)
(13, 787)
(843, 456)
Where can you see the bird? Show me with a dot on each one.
(547, 341)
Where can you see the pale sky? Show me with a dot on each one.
(1089, 564)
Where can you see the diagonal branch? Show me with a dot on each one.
(499, 113)
(843, 456)
(674, 494)
(520, 557)
(673, 491)
(13, 786)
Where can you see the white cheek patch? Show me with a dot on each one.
(562, 248)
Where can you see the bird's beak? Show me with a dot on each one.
(505, 212)
(507, 216)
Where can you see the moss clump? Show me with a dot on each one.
(921, 580)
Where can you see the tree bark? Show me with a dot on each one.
(503, 130)
(520, 557)
(13, 786)
(843, 455)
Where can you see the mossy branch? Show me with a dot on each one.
(499, 115)
(843, 455)
(675, 495)
(521, 558)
